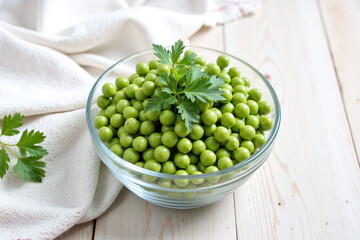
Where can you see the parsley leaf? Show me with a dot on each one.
(178, 74)
(30, 168)
(188, 59)
(184, 84)
(162, 53)
(170, 83)
(194, 74)
(217, 82)
(203, 88)
(27, 143)
(176, 51)
(158, 102)
(9, 124)
(4, 159)
(189, 113)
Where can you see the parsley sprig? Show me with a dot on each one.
(28, 163)
(186, 83)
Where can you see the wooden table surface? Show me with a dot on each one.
(309, 188)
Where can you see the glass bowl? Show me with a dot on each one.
(160, 188)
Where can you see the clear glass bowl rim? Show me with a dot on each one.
(139, 170)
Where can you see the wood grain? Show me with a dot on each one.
(310, 186)
(134, 218)
(342, 25)
(209, 37)
(82, 231)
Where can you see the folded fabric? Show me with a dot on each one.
(51, 52)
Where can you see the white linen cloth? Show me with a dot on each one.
(51, 52)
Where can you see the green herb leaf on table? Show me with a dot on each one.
(4, 159)
(28, 165)
(9, 124)
(30, 168)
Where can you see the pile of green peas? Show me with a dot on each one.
(228, 132)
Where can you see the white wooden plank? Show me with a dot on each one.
(130, 217)
(310, 186)
(342, 24)
(209, 37)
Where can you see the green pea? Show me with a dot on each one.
(181, 182)
(184, 145)
(264, 107)
(248, 145)
(223, 61)
(108, 89)
(254, 108)
(247, 132)
(142, 68)
(167, 117)
(212, 144)
(181, 160)
(252, 121)
(255, 94)
(241, 154)
(212, 169)
(155, 139)
(119, 95)
(121, 82)
(221, 134)
(147, 128)
(161, 153)
(225, 76)
(213, 69)
(259, 140)
(131, 155)
(224, 162)
(194, 159)
(117, 149)
(201, 61)
(153, 64)
(235, 81)
(222, 152)
(114, 141)
(148, 154)
(101, 121)
(266, 123)
(191, 168)
(152, 165)
(105, 134)
(169, 139)
(234, 72)
(197, 181)
(208, 158)
(168, 167)
(117, 120)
